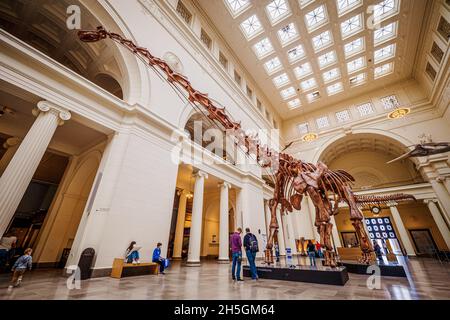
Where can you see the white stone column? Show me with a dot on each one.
(403, 233)
(11, 145)
(288, 230)
(312, 215)
(335, 233)
(18, 174)
(442, 226)
(280, 236)
(223, 224)
(179, 230)
(443, 196)
(195, 237)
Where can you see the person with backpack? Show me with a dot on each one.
(251, 248)
(20, 266)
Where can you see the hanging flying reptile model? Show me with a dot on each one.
(293, 179)
(425, 149)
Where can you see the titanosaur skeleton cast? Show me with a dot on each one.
(292, 178)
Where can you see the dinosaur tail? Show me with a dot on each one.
(383, 199)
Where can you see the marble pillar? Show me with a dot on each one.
(179, 230)
(224, 227)
(439, 220)
(11, 145)
(20, 170)
(403, 233)
(197, 219)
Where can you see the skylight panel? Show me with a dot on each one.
(281, 80)
(236, 7)
(354, 47)
(358, 79)
(331, 75)
(303, 128)
(263, 48)
(365, 109)
(390, 102)
(322, 122)
(251, 26)
(277, 10)
(343, 116)
(356, 64)
(287, 34)
(308, 84)
(287, 93)
(383, 70)
(322, 40)
(335, 88)
(384, 53)
(327, 59)
(296, 53)
(385, 33)
(316, 18)
(303, 70)
(294, 103)
(313, 96)
(273, 65)
(352, 26)
(385, 9)
(344, 6)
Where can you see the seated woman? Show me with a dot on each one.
(132, 254)
(157, 257)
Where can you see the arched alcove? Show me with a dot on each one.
(42, 25)
(365, 156)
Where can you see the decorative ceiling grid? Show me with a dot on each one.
(314, 49)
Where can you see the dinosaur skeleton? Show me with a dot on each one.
(293, 179)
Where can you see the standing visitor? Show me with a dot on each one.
(251, 248)
(311, 248)
(319, 249)
(22, 264)
(236, 250)
(385, 248)
(277, 252)
(158, 259)
(377, 249)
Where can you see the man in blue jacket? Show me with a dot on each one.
(251, 248)
(157, 257)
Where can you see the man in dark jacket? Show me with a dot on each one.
(236, 250)
(251, 248)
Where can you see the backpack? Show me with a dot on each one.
(253, 243)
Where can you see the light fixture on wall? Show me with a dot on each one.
(309, 137)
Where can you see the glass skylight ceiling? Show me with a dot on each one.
(237, 6)
(273, 65)
(351, 26)
(287, 34)
(277, 10)
(344, 6)
(316, 18)
(263, 48)
(322, 40)
(251, 26)
(308, 49)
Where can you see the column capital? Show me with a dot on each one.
(224, 184)
(11, 142)
(427, 201)
(46, 106)
(200, 174)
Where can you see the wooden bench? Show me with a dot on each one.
(121, 269)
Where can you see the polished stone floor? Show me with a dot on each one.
(427, 279)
